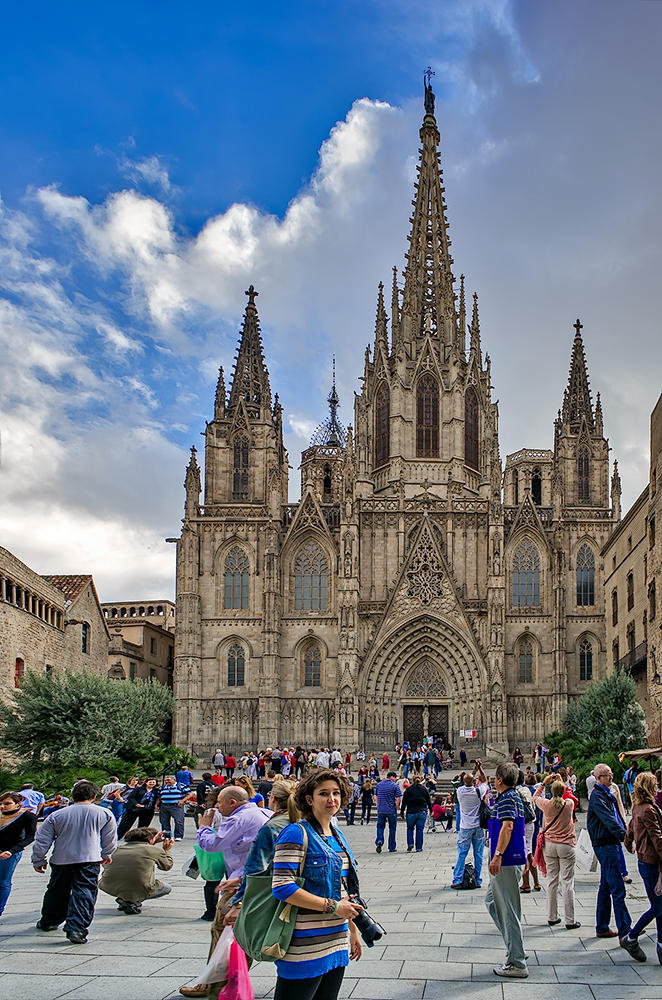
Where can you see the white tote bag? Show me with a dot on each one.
(585, 858)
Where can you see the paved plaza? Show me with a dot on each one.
(440, 942)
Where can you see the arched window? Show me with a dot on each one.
(516, 486)
(427, 418)
(471, 429)
(583, 473)
(585, 577)
(526, 576)
(236, 580)
(382, 425)
(311, 579)
(536, 487)
(585, 660)
(526, 662)
(327, 481)
(312, 659)
(240, 468)
(236, 663)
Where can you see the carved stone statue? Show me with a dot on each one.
(429, 99)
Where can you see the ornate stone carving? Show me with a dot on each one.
(425, 572)
(426, 681)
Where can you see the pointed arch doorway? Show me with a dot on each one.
(425, 704)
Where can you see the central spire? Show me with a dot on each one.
(429, 300)
(577, 402)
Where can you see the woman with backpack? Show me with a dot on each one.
(558, 830)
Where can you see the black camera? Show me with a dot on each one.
(368, 928)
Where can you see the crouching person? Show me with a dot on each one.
(132, 878)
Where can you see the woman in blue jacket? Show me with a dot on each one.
(325, 937)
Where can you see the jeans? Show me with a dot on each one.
(7, 868)
(503, 902)
(560, 862)
(117, 808)
(474, 837)
(382, 819)
(416, 821)
(70, 896)
(350, 812)
(366, 809)
(649, 874)
(611, 887)
(621, 862)
(174, 813)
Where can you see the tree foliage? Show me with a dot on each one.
(78, 719)
(608, 716)
(605, 721)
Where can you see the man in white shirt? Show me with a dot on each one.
(470, 834)
(336, 757)
(322, 759)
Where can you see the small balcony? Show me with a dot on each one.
(634, 659)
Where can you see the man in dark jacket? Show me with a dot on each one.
(607, 830)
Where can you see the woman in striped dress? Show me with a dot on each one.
(324, 937)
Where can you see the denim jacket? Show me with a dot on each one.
(323, 866)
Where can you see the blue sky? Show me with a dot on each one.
(157, 159)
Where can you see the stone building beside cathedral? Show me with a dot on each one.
(418, 586)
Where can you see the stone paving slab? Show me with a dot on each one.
(439, 941)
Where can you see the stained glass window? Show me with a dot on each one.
(585, 660)
(382, 425)
(526, 662)
(240, 468)
(585, 577)
(311, 579)
(312, 659)
(471, 429)
(427, 418)
(526, 576)
(236, 663)
(236, 580)
(583, 472)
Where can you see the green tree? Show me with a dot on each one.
(77, 719)
(608, 716)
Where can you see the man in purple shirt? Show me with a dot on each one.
(234, 837)
(388, 803)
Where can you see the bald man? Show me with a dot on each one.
(240, 821)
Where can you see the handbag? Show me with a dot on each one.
(484, 812)
(529, 811)
(265, 924)
(584, 854)
(539, 856)
(211, 864)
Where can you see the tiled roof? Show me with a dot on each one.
(70, 584)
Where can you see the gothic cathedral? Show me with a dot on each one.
(417, 587)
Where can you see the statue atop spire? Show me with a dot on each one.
(577, 397)
(250, 379)
(429, 95)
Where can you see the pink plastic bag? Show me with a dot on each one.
(238, 986)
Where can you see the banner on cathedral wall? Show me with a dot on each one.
(468, 734)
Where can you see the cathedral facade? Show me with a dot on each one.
(418, 586)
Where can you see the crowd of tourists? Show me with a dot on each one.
(278, 835)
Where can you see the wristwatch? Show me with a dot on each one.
(498, 854)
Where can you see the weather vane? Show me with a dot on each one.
(429, 73)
